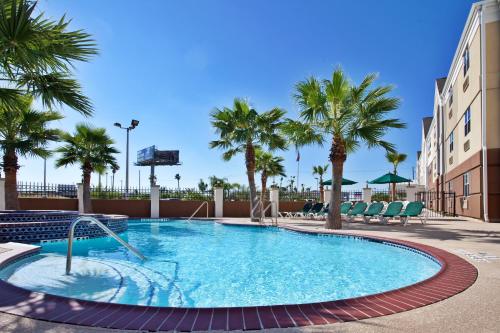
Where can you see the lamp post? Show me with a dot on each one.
(133, 124)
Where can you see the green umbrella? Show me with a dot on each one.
(344, 182)
(389, 178)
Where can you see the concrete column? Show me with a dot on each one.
(328, 195)
(274, 196)
(79, 195)
(411, 191)
(2, 194)
(219, 201)
(155, 201)
(367, 194)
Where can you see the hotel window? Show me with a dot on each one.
(466, 61)
(466, 184)
(467, 121)
(451, 139)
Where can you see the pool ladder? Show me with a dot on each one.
(93, 220)
(197, 209)
(272, 204)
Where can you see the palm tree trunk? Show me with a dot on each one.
(337, 157)
(10, 167)
(87, 202)
(254, 200)
(263, 181)
(321, 190)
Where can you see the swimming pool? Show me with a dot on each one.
(207, 264)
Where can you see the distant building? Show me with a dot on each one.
(460, 149)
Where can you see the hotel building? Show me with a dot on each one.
(460, 148)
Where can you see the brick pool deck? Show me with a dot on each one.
(385, 312)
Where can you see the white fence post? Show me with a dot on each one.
(327, 195)
(367, 194)
(274, 196)
(79, 195)
(155, 201)
(219, 201)
(2, 194)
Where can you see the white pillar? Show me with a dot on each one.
(411, 192)
(155, 201)
(274, 196)
(327, 195)
(219, 201)
(79, 195)
(2, 194)
(367, 194)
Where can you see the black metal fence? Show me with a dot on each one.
(186, 194)
(99, 192)
(438, 203)
(386, 195)
(39, 190)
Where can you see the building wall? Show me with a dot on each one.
(48, 204)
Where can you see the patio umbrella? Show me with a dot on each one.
(390, 178)
(344, 182)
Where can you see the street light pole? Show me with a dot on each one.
(133, 124)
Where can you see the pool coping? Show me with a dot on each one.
(455, 276)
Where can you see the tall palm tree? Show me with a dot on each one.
(92, 149)
(300, 134)
(23, 132)
(351, 115)
(114, 169)
(268, 166)
(395, 158)
(37, 56)
(320, 171)
(241, 130)
(178, 178)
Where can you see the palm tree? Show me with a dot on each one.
(92, 149)
(114, 169)
(351, 115)
(300, 134)
(38, 55)
(202, 186)
(320, 171)
(268, 166)
(23, 132)
(395, 158)
(242, 129)
(178, 178)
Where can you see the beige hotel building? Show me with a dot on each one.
(460, 149)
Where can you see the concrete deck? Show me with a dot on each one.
(474, 310)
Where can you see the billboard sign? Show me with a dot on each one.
(168, 157)
(146, 154)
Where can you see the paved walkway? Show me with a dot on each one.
(474, 310)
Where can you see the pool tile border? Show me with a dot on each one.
(455, 275)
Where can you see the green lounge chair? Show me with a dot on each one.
(393, 210)
(307, 207)
(345, 207)
(358, 209)
(316, 208)
(374, 210)
(413, 209)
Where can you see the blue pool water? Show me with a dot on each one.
(206, 264)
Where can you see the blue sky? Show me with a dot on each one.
(169, 63)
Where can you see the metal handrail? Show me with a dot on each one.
(93, 220)
(265, 210)
(197, 209)
(259, 202)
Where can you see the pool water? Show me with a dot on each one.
(207, 264)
